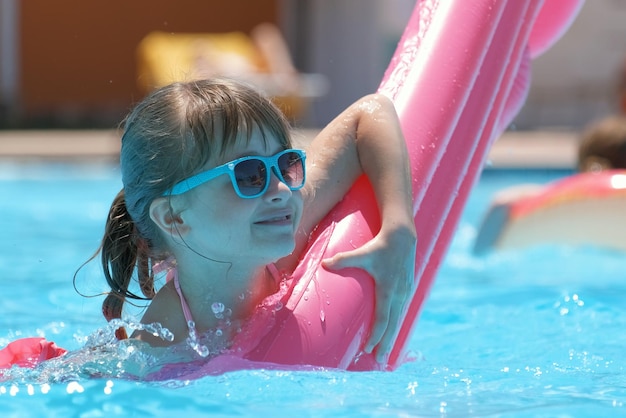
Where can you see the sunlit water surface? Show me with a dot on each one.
(533, 333)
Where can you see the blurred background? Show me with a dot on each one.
(69, 64)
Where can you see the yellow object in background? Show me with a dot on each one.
(261, 59)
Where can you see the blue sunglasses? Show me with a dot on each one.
(250, 175)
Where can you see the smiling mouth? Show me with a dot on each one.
(276, 220)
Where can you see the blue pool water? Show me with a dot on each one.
(538, 332)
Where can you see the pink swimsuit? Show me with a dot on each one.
(172, 274)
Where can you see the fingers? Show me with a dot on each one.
(389, 317)
(388, 338)
(394, 285)
(356, 258)
(334, 263)
(381, 322)
(385, 293)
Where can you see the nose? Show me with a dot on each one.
(277, 190)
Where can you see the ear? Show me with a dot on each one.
(164, 216)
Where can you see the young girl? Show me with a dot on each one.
(215, 195)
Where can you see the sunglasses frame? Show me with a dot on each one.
(270, 163)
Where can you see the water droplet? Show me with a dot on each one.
(218, 309)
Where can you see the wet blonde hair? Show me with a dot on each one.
(169, 136)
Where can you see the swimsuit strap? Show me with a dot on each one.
(183, 301)
(192, 340)
(169, 265)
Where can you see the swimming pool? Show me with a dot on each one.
(538, 332)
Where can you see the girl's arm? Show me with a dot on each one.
(367, 138)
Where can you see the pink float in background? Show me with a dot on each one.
(459, 75)
(581, 209)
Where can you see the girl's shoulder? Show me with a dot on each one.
(165, 309)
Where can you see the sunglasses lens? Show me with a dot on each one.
(251, 176)
(291, 167)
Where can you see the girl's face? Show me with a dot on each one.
(225, 227)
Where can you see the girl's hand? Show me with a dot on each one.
(390, 259)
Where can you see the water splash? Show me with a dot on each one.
(192, 340)
(106, 335)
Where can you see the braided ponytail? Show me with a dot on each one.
(123, 250)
